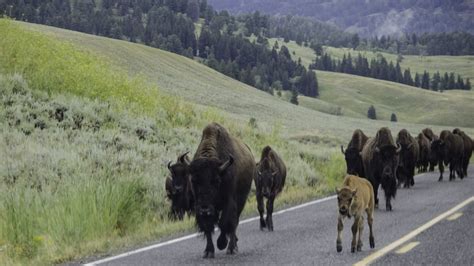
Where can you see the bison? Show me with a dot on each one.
(355, 198)
(269, 182)
(425, 150)
(178, 188)
(352, 153)
(407, 158)
(449, 149)
(433, 159)
(221, 171)
(468, 146)
(380, 158)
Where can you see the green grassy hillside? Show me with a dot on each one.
(354, 94)
(199, 84)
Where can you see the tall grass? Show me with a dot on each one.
(84, 150)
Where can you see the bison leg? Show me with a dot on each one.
(451, 171)
(340, 226)
(209, 251)
(376, 192)
(370, 221)
(232, 249)
(361, 229)
(355, 228)
(270, 201)
(441, 170)
(388, 204)
(261, 210)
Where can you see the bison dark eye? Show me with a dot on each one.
(338, 199)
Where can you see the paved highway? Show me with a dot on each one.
(430, 224)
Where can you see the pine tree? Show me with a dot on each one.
(467, 85)
(371, 113)
(393, 118)
(417, 80)
(294, 97)
(459, 83)
(451, 82)
(425, 80)
(435, 81)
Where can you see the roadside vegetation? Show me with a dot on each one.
(85, 151)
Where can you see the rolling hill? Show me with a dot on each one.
(197, 83)
(353, 94)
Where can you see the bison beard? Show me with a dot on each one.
(221, 172)
(380, 157)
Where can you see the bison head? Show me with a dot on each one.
(345, 198)
(207, 176)
(265, 177)
(388, 158)
(353, 161)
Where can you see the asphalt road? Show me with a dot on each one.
(308, 235)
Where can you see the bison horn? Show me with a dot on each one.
(183, 158)
(169, 165)
(342, 150)
(410, 145)
(275, 173)
(399, 148)
(226, 164)
(377, 149)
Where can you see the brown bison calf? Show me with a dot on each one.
(355, 197)
(269, 182)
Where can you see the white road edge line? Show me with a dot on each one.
(382, 252)
(180, 239)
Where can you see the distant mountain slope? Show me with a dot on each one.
(369, 17)
(199, 84)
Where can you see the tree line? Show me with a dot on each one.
(380, 68)
(223, 42)
(452, 43)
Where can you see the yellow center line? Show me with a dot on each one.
(407, 247)
(389, 248)
(454, 216)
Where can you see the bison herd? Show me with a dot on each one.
(215, 184)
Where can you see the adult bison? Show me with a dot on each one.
(380, 157)
(468, 146)
(269, 182)
(407, 158)
(433, 159)
(449, 149)
(352, 153)
(221, 171)
(178, 188)
(425, 150)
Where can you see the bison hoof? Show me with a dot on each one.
(372, 242)
(389, 207)
(208, 255)
(262, 224)
(440, 179)
(359, 248)
(232, 251)
(353, 249)
(339, 248)
(222, 242)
